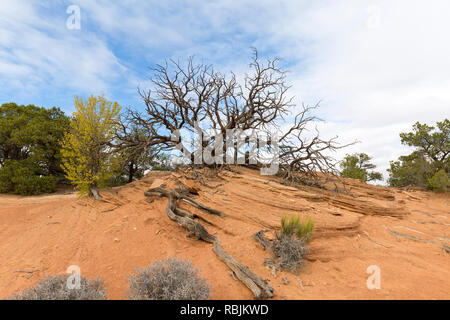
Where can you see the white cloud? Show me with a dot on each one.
(376, 82)
(382, 75)
(377, 66)
(39, 53)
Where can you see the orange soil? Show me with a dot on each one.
(44, 235)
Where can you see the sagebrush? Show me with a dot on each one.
(289, 251)
(56, 288)
(169, 279)
(291, 244)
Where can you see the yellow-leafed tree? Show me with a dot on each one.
(87, 157)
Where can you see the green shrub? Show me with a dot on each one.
(22, 177)
(291, 244)
(55, 288)
(115, 181)
(295, 225)
(439, 182)
(169, 279)
(27, 186)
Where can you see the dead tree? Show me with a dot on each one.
(185, 97)
(236, 123)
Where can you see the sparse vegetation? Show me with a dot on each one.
(294, 225)
(289, 251)
(55, 288)
(169, 279)
(290, 245)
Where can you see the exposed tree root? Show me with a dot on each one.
(301, 283)
(407, 236)
(25, 271)
(201, 206)
(96, 194)
(109, 210)
(195, 175)
(29, 273)
(256, 284)
(376, 242)
(262, 240)
(417, 231)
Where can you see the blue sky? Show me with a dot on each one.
(377, 66)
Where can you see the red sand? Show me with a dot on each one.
(44, 235)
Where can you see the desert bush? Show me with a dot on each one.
(169, 279)
(291, 244)
(439, 182)
(21, 177)
(289, 251)
(55, 288)
(295, 225)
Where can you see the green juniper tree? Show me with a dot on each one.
(429, 164)
(30, 143)
(357, 166)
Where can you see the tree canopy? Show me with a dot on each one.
(357, 166)
(430, 157)
(88, 160)
(431, 142)
(30, 143)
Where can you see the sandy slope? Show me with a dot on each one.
(46, 234)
